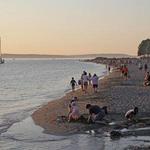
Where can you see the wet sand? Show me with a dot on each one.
(118, 94)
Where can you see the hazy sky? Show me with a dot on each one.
(73, 26)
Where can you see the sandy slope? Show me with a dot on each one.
(115, 92)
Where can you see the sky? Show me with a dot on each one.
(68, 27)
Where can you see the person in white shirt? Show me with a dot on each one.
(73, 110)
(130, 114)
(85, 79)
(95, 82)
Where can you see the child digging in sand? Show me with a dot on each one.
(73, 110)
(130, 114)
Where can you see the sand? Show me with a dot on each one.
(118, 94)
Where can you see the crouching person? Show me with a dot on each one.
(73, 111)
(130, 114)
(96, 113)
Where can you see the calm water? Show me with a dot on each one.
(27, 84)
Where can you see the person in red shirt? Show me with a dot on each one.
(125, 72)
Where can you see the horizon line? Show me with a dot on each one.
(67, 54)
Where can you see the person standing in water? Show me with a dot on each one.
(73, 83)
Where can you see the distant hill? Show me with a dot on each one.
(64, 56)
(104, 55)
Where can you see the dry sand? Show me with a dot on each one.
(115, 92)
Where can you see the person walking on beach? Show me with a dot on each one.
(85, 79)
(73, 84)
(109, 68)
(140, 66)
(90, 76)
(122, 70)
(80, 82)
(125, 70)
(95, 82)
(145, 67)
(147, 79)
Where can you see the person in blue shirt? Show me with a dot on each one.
(96, 113)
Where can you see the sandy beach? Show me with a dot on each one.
(118, 94)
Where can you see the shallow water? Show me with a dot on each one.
(25, 135)
(27, 84)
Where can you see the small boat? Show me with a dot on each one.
(1, 58)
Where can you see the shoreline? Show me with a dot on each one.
(46, 116)
(114, 92)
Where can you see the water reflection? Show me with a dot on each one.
(26, 135)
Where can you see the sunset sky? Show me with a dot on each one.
(73, 26)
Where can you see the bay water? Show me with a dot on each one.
(25, 85)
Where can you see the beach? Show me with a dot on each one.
(117, 94)
(48, 129)
(47, 115)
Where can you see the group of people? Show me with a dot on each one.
(95, 112)
(85, 81)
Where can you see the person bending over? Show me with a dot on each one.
(96, 113)
(130, 114)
